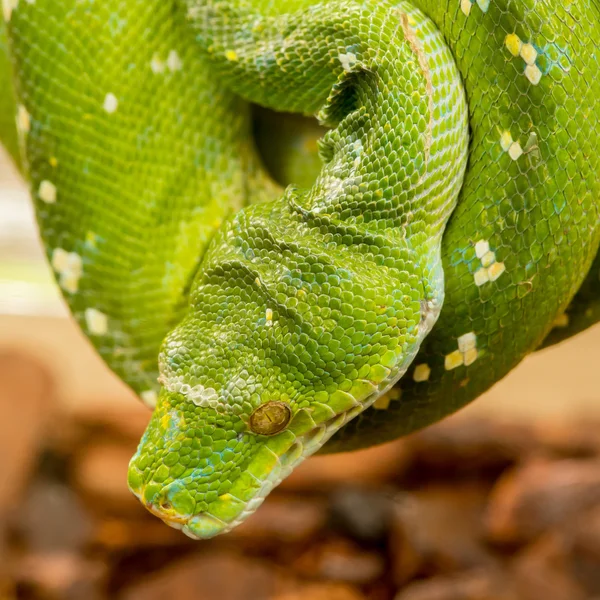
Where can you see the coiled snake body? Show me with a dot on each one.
(459, 179)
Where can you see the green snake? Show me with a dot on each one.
(435, 235)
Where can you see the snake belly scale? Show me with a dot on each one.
(453, 219)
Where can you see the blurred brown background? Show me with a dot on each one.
(500, 501)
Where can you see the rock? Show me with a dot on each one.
(118, 534)
(60, 576)
(341, 560)
(370, 466)
(544, 571)
(52, 519)
(283, 519)
(539, 496)
(580, 539)
(362, 514)
(439, 529)
(27, 398)
(210, 576)
(472, 448)
(473, 585)
(568, 439)
(100, 473)
(585, 534)
(322, 591)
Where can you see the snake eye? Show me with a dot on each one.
(270, 418)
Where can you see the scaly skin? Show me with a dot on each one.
(8, 133)
(286, 322)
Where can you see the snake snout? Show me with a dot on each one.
(172, 503)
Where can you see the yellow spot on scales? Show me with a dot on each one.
(231, 55)
(496, 270)
(561, 321)
(90, 239)
(383, 402)
(23, 120)
(513, 43)
(453, 360)
(422, 373)
(465, 355)
(269, 317)
(506, 140)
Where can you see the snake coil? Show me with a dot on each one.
(453, 219)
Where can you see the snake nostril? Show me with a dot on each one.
(166, 505)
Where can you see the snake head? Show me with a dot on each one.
(261, 373)
(204, 470)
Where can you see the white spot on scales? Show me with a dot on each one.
(47, 192)
(157, 65)
(69, 266)
(96, 321)
(490, 269)
(173, 63)
(466, 5)
(348, 61)
(528, 53)
(8, 6)
(198, 394)
(111, 103)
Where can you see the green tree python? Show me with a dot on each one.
(449, 226)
